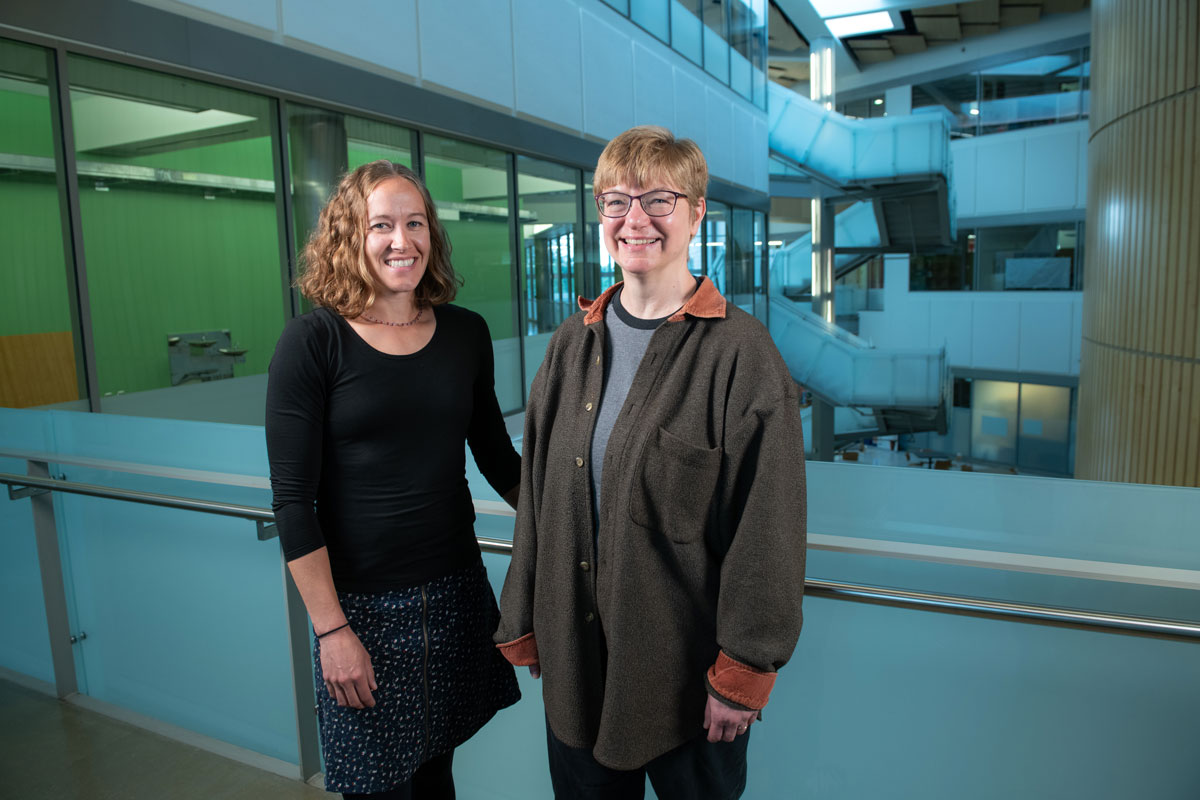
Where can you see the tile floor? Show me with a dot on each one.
(50, 750)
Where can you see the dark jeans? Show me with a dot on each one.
(695, 770)
(433, 780)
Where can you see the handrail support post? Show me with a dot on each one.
(54, 592)
(21, 492)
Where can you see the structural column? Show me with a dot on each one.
(1139, 387)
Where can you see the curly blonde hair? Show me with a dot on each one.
(335, 270)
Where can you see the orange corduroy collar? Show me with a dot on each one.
(705, 302)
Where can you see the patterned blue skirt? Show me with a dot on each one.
(440, 679)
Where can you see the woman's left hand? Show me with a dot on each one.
(724, 723)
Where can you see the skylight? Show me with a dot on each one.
(857, 25)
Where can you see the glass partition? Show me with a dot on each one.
(40, 349)
(653, 15)
(1026, 257)
(1005, 258)
(760, 267)
(743, 48)
(469, 183)
(727, 37)
(323, 145)
(1044, 436)
(953, 271)
(716, 40)
(716, 245)
(687, 31)
(552, 263)
(601, 271)
(739, 259)
(1037, 90)
(994, 420)
(180, 231)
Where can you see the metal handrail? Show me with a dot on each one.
(253, 513)
(900, 598)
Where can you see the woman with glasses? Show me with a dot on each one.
(370, 399)
(658, 561)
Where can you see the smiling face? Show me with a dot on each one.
(645, 245)
(397, 243)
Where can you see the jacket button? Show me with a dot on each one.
(583, 565)
(588, 617)
(587, 407)
(578, 461)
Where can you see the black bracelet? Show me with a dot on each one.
(332, 630)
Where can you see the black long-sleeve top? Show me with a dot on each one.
(366, 449)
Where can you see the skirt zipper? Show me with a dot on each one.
(425, 666)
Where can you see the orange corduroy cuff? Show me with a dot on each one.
(522, 652)
(740, 683)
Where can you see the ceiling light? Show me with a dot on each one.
(857, 25)
(974, 112)
(878, 101)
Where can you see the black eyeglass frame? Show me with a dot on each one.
(600, 206)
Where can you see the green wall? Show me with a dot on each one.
(164, 261)
(25, 124)
(32, 271)
(481, 254)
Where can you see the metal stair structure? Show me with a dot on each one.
(896, 175)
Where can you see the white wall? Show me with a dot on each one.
(575, 64)
(1033, 171)
(1014, 331)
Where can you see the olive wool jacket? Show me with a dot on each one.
(694, 583)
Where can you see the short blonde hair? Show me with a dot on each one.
(335, 270)
(648, 153)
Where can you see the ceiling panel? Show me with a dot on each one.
(944, 28)
(904, 44)
(981, 12)
(1012, 15)
(979, 29)
(936, 11)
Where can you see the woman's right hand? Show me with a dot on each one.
(349, 676)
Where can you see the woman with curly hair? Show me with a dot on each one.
(371, 397)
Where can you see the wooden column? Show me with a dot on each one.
(1139, 383)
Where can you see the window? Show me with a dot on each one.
(551, 252)
(469, 183)
(1014, 257)
(953, 271)
(323, 145)
(180, 231)
(40, 344)
(653, 15)
(1040, 90)
(740, 259)
(1026, 257)
(716, 47)
(687, 31)
(716, 246)
(601, 271)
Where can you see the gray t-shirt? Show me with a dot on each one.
(626, 338)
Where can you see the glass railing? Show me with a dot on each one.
(164, 603)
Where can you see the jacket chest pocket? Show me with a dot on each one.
(673, 486)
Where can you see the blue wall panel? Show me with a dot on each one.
(185, 623)
(24, 645)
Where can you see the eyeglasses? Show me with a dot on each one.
(660, 203)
